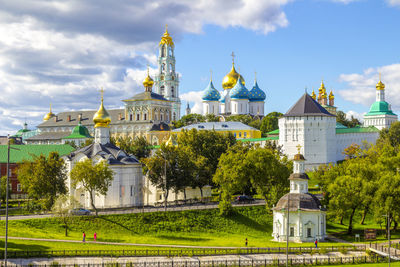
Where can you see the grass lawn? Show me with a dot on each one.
(197, 227)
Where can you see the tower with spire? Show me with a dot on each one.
(307, 217)
(380, 114)
(101, 121)
(167, 80)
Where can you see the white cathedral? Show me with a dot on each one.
(235, 99)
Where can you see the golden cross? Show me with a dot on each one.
(166, 27)
(255, 76)
(102, 93)
(210, 75)
(380, 74)
(50, 106)
(233, 57)
(298, 148)
(148, 67)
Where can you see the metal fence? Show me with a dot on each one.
(229, 262)
(177, 252)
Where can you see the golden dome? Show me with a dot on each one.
(49, 115)
(298, 157)
(331, 96)
(148, 81)
(231, 78)
(101, 118)
(380, 85)
(322, 89)
(166, 38)
(313, 95)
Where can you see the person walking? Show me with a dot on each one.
(84, 237)
(316, 243)
(95, 236)
(245, 243)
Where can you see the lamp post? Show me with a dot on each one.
(388, 227)
(287, 232)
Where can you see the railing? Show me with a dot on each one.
(177, 252)
(231, 262)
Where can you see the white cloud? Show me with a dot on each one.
(194, 97)
(394, 2)
(355, 114)
(63, 51)
(361, 87)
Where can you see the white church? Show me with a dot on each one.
(299, 214)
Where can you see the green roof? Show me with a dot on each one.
(20, 132)
(274, 132)
(259, 139)
(27, 152)
(79, 132)
(369, 129)
(380, 108)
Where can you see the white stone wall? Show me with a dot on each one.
(300, 221)
(211, 107)
(346, 139)
(256, 108)
(239, 106)
(379, 121)
(315, 135)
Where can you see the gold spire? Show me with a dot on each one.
(322, 89)
(148, 81)
(231, 78)
(331, 95)
(380, 85)
(210, 75)
(101, 118)
(255, 76)
(48, 115)
(166, 38)
(313, 95)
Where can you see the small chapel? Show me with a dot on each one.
(299, 213)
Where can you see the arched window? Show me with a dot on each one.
(163, 67)
(155, 117)
(137, 117)
(174, 117)
(162, 90)
(162, 51)
(145, 117)
(161, 117)
(172, 92)
(130, 117)
(170, 51)
(171, 68)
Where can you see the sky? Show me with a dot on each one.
(63, 52)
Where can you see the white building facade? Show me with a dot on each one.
(306, 219)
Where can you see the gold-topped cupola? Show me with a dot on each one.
(101, 118)
(166, 38)
(232, 77)
(49, 115)
(148, 82)
(380, 85)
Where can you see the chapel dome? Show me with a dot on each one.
(166, 38)
(231, 78)
(380, 85)
(148, 81)
(298, 201)
(210, 93)
(239, 91)
(256, 94)
(49, 115)
(101, 118)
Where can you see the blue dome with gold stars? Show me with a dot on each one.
(210, 93)
(256, 94)
(239, 91)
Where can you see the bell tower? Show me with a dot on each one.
(167, 80)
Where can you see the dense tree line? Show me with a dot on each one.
(368, 181)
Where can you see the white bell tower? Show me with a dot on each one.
(167, 80)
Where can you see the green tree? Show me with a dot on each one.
(3, 189)
(43, 178)
(270, 122)
(94, 178)
(263, 168)
(246, 119)
(342, 118)
(62, 208)
(188, 120)
(138, 146)
(212, 118)
(164, 171)
(206, 148)
(390, 136)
